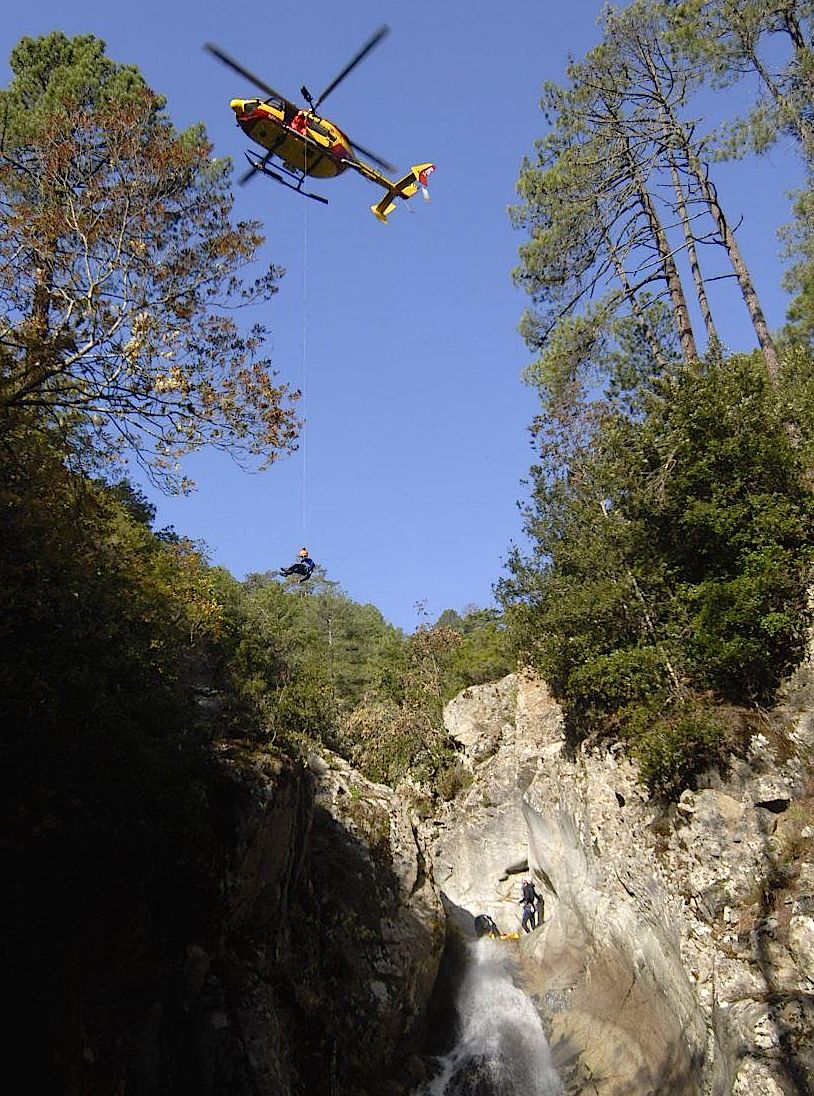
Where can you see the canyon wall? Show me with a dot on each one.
(676, 953)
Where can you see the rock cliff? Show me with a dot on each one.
(676, 951)
(296, 956)
(298, 949)
(328, 939)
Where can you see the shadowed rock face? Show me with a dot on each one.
(658, 968)
(332, 939)
(296, 952)
(303, 965)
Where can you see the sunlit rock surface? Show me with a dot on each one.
(676, 954)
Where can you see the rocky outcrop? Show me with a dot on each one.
(677, 945)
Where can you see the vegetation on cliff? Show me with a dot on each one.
(670, 516)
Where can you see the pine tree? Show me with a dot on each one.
(121, 266)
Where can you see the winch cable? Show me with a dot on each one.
(304, 367)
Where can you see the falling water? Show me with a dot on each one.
(501, 1049)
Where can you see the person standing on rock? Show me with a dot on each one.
(528, 899)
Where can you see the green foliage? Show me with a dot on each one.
(797, 392)
(730, 41)
(481, 656)
(733, 520)
(379, 741)
(608, 681)
(399, 731)
(306, 655)
(302, 710)
(123, 269)
(429, 655)
(397, 728)
(53, 72)
(798, 239)
(675, 747)
(387, 742)
(452, 779)
(766, 46)
(672, 554)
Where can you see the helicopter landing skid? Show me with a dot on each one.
(260, 163)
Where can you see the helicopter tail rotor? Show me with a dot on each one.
(405, 188)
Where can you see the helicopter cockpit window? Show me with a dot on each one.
(250, 105)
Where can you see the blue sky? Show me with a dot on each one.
(403, 337)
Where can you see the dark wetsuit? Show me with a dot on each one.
(530, 896)
(304, 566)
(485, 926)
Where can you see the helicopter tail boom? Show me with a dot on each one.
(405, 188)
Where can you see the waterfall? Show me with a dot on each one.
(501, 1048)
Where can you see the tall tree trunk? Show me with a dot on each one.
(692, 252)
(630, 295)
(667, 117)
(686, 336)
(681, 314)
(730, 243)
(676, 134)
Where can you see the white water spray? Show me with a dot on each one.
(502, 1048)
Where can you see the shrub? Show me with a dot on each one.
(452, 778)
(674, 748)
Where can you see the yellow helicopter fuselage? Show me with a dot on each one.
(306, 144)
(303, 141)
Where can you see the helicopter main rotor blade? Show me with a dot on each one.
(216, 51)
(368, 155)
(363, 52)
(253, 169)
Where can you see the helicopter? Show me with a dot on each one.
(301, 144)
